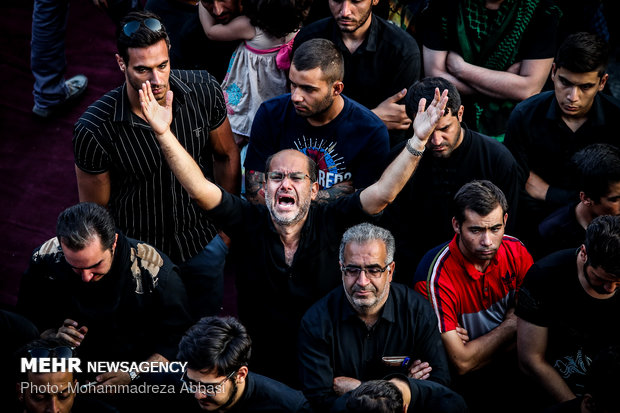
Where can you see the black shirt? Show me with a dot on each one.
(561, 230)
(263, 394)
(272, 296)
(542, 143)
(137, 309)
(147, 201)
(421, 216)
(579, 325)
(334, 341)
(387, 62)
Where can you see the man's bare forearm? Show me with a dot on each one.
(548, 378)
(479, 352)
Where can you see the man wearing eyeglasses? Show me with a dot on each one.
(287, 250)
(217, 351)
(368, 329)
(472, 283)
(119, 164)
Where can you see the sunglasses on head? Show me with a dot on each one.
(62, 352)
(131, 27)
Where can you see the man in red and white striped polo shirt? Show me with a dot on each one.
(472, 281)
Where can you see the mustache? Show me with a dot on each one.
(369, 287)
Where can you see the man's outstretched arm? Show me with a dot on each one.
(380, 194)
(206, 194)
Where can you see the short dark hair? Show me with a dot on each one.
(603, 380)
(425, 88)
(603, 243)
(583, 52)
(277, 17)
(599, 168)
(78, 225)
(481, 196)
(376, 396)
(312, 166)
(218, 344)
(142, 37)
(321, 53)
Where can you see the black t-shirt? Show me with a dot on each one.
(579, 325)
(263, 394)
(561, 230)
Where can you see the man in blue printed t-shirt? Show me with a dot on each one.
(348, 142)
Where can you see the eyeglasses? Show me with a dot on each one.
(208, 389)
(131, 27)
(373, 271)
(277, 176)
(62, 352)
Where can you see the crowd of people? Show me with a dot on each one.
(314, 149)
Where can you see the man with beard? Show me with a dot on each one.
(459, 155)
(286, 251)
(350, 335)
(119, 164)
(217, 351)
(114, 297)
(566, 311)
(471, 283)
(346, 140)
(380, 59)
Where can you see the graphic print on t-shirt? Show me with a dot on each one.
(331, 166)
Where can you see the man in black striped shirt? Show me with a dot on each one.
(119, 164)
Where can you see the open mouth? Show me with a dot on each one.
(286, 200)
